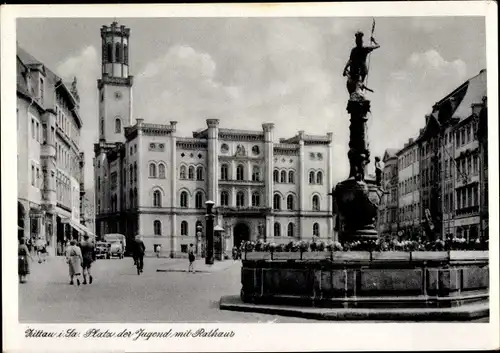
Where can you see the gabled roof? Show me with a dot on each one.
(390, 153)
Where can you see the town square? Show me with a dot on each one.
(252, 170)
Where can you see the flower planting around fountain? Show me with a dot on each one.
(366, 274)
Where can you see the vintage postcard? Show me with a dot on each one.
(274, 177)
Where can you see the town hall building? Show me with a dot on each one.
(150, 181)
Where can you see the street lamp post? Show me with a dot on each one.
(209, 259)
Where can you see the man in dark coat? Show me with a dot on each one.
(139, 250)
(89, 256)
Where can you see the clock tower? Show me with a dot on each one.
(115, 84)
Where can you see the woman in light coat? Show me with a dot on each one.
(74, 259)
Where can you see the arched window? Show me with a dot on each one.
(157, 227)
(276, 176)
(291, 230)
(184, 199)
(315, 203)
(283, 177)
(161, 171)
(183, 172)
(117, 53)
(184, 228)
(224, 198)
(255, 173)
(131, 172)
(240, 199)
(291, 177)
(290, 204)
(319, 178)
(277, 202)
(110, 52)
(156, 198)
(199, 173)
(199, 199)
(256, 199)
(277, 229)
(240, 172)
(152, 170)
(311, 178)
(224, 172)
(191, 173)
(316, 229)
(131, 198)
(118, 126)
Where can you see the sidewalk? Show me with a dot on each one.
(181, 265)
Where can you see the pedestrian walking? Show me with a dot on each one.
(191, 258)
(88, 255)
(139, 250)
(158, 250)
(40, 250)
(74, 261)
(23, 254)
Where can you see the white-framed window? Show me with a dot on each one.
(291, 230)
(156, 198)
(240, 199)
(33, 175)
(191, 173)
(199, 173)
(290, 202)
(184, 228)
(224, 175)
(276, 176)
(240, 172)
(199, 199)
(255, 199)
(182, 172)
(276, 202)
(277, 229)
(184, 199)
(224, 198)
(157, 227)
(118, 125)
(311, 178)
(283, 177)
(152, 170)
(256, 173)
(319, 178)
(315, 203)
(161, 171)
(316, 229)
(291, 177)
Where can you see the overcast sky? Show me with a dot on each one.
(246, 71)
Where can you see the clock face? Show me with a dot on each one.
(118, 95)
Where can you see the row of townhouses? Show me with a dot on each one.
(437, 184)
(49, 157)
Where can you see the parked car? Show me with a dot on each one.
(103, 250)
(117, 245)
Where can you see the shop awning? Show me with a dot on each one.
(79, 227)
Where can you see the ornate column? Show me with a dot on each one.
(301, 186)
(173, 189)
(212, 172)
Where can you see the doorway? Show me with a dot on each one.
(241, 233)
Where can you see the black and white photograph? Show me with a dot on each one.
(218, 170)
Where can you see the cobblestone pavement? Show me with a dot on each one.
(118, 294)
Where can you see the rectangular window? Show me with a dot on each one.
(44, 137)
(32, 128)
(38, 180)
(37, 131)
(41, 89)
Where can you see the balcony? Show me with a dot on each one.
(233, 182)
(467, 211)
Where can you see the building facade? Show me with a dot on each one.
(50, 173)
(388, 217)
(150, 181)
(442, 188)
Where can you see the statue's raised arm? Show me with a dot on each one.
(356, 68)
